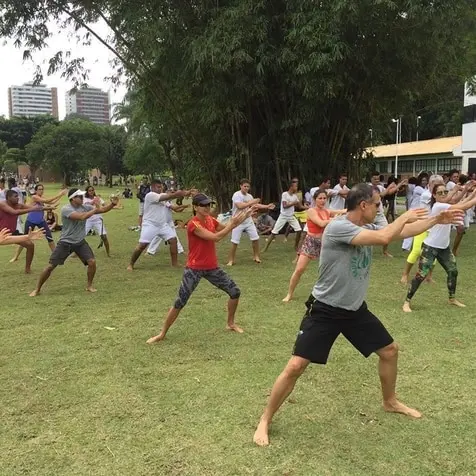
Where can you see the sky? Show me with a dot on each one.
(15, 71)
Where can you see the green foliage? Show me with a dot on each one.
(17, 132)
(144, 155)
(267, 90)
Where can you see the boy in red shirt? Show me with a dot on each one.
(203, 231)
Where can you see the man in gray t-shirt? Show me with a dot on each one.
(73, 237)
(337, 306)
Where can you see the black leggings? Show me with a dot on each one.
(217, 277)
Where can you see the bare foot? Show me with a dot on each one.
(235, 328)
(34, 293)
(387, 255)
(429, 281)
(404, 279)
(261, 437)
(398, 407)
(230, 263)
(406, 307)
(287, 298)
(456, 303)
(154, 340)
(130, 268)
(285, 240)
(13, 260)
(257, 260)
(90, 289)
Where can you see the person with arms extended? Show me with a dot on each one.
(203, 231)
(337, 302)
(73, 237)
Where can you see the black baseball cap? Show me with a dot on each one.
(201, 199)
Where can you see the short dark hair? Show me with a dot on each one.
(244, 180)
(359, 193)
(37, 186)
(453, 171)
(10, 193)
(12, 182)
(342, 175)
(325, 179)
(156, 181)
(375, 173)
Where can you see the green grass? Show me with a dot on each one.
(78, 399)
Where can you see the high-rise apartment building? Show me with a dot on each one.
(30, 100)
(92, 103)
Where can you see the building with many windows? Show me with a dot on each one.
(433, 156)
(32, 100)
(91, 103)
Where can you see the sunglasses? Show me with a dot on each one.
(442, 192)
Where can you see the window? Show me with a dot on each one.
(445, 165)
(425, 165)
(382, 166)
(404, 167)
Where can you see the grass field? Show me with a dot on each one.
(80, 399)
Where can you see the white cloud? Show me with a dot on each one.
(15, 71)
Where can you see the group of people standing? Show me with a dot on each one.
(342, 225)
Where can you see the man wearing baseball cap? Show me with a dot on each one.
(203, 231)
(73, 237)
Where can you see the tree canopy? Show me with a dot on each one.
(262, 89)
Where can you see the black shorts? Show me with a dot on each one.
(63, 250)
(322, 324)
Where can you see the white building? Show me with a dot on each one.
(468, 146)
(92, 103)
(29, 100)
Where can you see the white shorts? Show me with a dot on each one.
(97, 226)
(141, 208)
(20, 226)
(281, 221)
(248, 228)
(149, 231)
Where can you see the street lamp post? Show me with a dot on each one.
(371, 132)
(417, 127)
(398, 139)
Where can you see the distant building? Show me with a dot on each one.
(91, 103)
(29, 100)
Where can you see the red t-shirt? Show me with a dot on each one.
(8, 221)
(201, 253)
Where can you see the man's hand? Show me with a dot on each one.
(241, 216)
(450, 217)
(114, 200)
(64, 192)
(415, 215)
(271, 206)
(4, 234)
(96, 201)
(36, 234)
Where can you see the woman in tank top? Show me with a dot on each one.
(318, 218)
(36, 218)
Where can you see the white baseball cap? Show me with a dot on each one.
(75, 192)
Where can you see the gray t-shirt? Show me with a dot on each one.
(344, 269)
(74, 231)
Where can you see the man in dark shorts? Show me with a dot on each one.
(337, 304)
(203, 231)
(73, 237)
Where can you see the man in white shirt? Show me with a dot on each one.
(154, 222)
(338, 194)
(453, 179)
(242, 200)
(289, 202)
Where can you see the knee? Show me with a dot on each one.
(295, 368)
(389, 352)
(235, 293)
(91, 263)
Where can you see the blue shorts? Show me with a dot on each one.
(29, 225)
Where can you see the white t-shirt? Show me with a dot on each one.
(239, 197)
(416, 197)
(410, 189)
(155, 211)
(287, 197)
(425, 200)
(94, 218)
(439, 236)
(170, 214)
(2, 195)
(450, 186)
(337, 201)
(380, 189)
